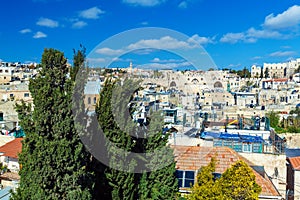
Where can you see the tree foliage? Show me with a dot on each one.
(266, 73)
(244, 73)
(53, 159)
(237, 182)
(206, 187)
(114, 117)
(78, 61)
(274, 118)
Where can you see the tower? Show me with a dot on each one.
(130, 67)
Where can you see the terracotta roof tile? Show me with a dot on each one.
(295, 162)
(194, 157)
(12, 148)
(10, 176)
(277, 80)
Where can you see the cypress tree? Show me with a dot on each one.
(53, 159)
(122, 184)
(160, 182)
(114, 115)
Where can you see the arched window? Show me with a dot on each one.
(218, 84)
(173, 84)
(89, 100)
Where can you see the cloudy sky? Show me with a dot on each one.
(234, 33)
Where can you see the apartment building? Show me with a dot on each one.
(276, 70)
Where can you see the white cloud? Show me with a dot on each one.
(145, 23)
(165, 42)
(288, 19)
(251, 36)
(109, 51)
(79, 24)
(39, 34)
(232, 38)
(201, 40)
(164, 65)
(147, 46)
(96, 60)
(256, 58)
(182, 5)
(145, 3)
(26, 30)
(252, 32)
(282, 53)
(91, 13)
(158, 60)
(47, 22)
(155, 60)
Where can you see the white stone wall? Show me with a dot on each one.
(270, 162)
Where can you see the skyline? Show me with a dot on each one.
(235, 34)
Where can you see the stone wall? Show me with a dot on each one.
(292, 140)
(270, 163)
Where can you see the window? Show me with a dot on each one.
(6, 71)
(247, 147)
(89, 100)
(185, 178)
(26, 94)
(95, 100)
(11, 95)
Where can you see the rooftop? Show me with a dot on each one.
(194, 157)
(295, 162)
(12, 148)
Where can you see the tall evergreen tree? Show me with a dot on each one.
(122, 183)
(115, 120)
(78, 62)
(53, 159)
(160, 182)
(266, 73)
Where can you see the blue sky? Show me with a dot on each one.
(234, 33)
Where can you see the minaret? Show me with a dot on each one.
(130, 67)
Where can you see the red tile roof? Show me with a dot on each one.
(295, 162)
(12, 148)
(277, 80)
(194, 157)
(10, 176)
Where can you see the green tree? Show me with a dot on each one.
(266, 73)
(53, 159)
(206, 187)
(115, 120)
(160, 183)
(238, 183)
(244, 73)
(78, 61)
(122, 184)
(261, 72)
(274, 118)
(295, 111)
